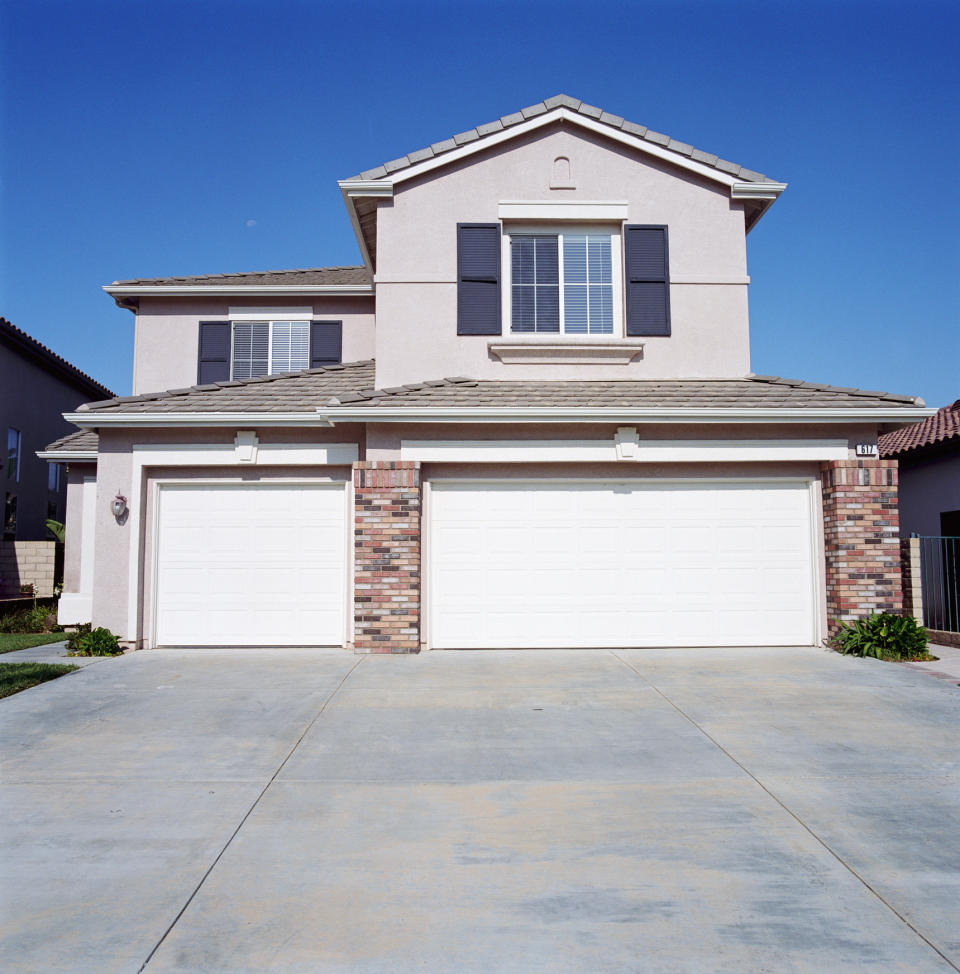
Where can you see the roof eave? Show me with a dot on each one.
(118, 291)
(61, 455)
(331, 415)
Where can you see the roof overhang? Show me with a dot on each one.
(61, 455)
(760, 196)
(331, 415)
(125, 295)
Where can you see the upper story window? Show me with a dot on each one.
(268, 347)
(13, 454)
(53, 477)
(563, 282)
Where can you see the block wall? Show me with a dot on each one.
(27, 563)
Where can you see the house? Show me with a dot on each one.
(928, 454)
(527, 420)
(37, 387)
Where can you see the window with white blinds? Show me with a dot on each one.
(564, 282)
(269, 347)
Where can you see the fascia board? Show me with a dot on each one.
(320, 290)
(559, 114)
(91, 420)
(756, 191)
(66, 455)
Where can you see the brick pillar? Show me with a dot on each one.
(910, 570)
(861, 538)
(386, 600)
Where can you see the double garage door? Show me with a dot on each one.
(509, 564)
(606, 564)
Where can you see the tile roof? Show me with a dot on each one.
(343, 276)
(352, 385)
(289, 392)
(581, 108)
(84, 441)
(942, 426)
(24, 343)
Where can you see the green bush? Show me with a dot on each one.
(95, 642)
(883, 636)
(38, 618)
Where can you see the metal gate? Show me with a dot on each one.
(940, 581)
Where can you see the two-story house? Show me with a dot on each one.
(527, 420)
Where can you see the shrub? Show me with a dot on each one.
(38, 618)
(87, 641)
(883, 635)
(92, 642)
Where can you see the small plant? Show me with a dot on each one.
(26, 589)
(57, 529)
(93, 642)
(883, 635)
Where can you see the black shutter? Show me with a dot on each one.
(478, 279)
(213, 359)
(648, 280)
(326, 343)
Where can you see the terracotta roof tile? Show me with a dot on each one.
(942, 426)
(84, 441)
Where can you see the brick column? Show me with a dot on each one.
(386, 600)
(861, 538)
(910, 571)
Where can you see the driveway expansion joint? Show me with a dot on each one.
(817, 838)
(249, 812)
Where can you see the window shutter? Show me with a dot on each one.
(213, 360)
(648, 280)
(326, 343)
(478, 279)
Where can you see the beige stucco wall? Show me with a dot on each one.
(74, 523)
(168, 333)
(417, 246)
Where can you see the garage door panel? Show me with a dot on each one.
(593, 564)
(251, 564)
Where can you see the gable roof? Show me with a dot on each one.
(941, 427)
(48, 359)
(338, 390)
(614, 122)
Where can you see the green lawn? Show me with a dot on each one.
(15, 677)
(9, 641)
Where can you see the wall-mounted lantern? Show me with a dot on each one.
(119, 507)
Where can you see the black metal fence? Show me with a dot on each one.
(940, 581)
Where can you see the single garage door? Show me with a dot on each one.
(613, 564)
(251, 565)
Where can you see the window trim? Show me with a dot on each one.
(560, 228)
(270, 322)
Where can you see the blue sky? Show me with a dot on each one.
(148, 139)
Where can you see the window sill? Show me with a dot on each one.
(566, 352)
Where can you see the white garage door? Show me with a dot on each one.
(611, 564)
(251, 565)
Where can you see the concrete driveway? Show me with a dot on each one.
(633, 811)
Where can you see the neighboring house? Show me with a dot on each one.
(528, 420)
(37, 387)
(928, 454)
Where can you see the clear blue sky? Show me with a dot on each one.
(143, 139)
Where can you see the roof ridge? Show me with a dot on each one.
(49, 353)
(581, 108)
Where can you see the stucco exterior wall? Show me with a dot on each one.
(32, 401)
(928, 486)
(76, 472)
(168, 333)
(417, 251)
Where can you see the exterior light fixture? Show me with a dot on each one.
(119, 506)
